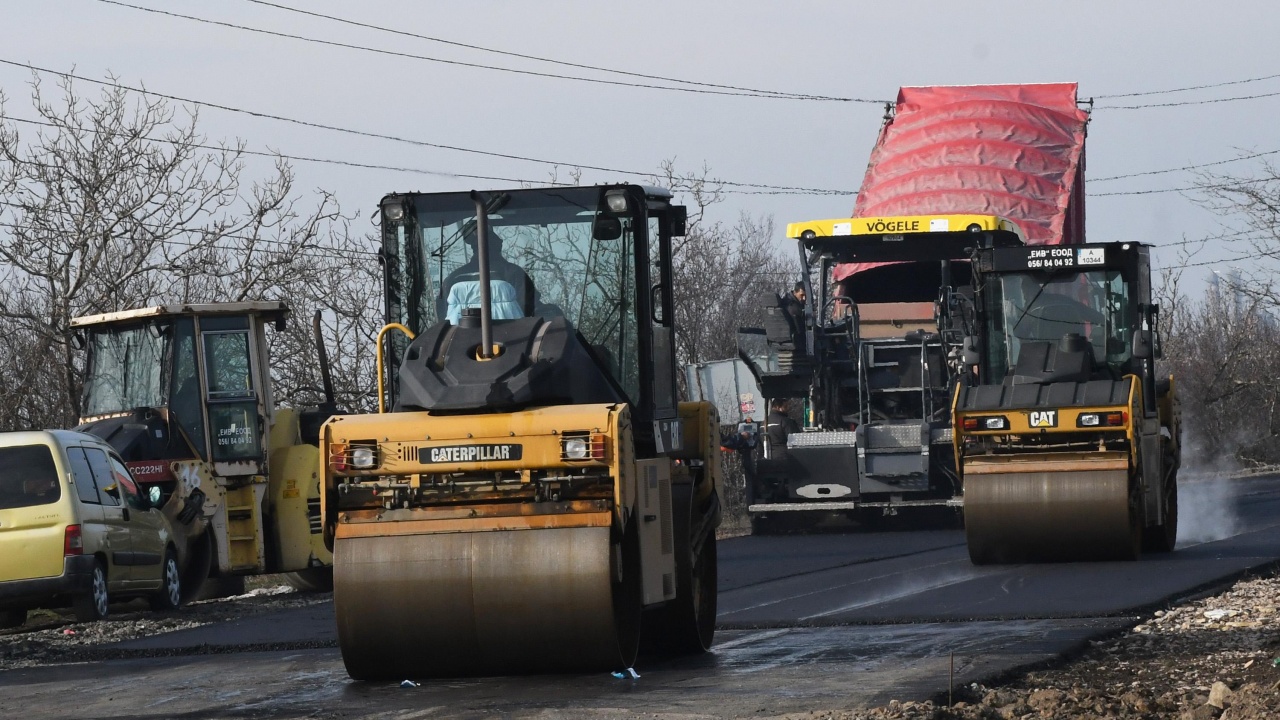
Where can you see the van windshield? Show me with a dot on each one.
(28, 477)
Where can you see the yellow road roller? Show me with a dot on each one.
(531, 496)
(1067, 440)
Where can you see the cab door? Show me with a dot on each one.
(233, 396)
(117, 544)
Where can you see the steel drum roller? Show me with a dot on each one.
(477, 603)
(1044, 510)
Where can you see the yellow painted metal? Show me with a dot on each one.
(382, 403)
(245, 552)
(902, 225)
(701, 442)
(406, 438)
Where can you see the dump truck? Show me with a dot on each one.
(531, 495)
(874, 378)
(184, 394)
(1015, 152)
(1067, 439)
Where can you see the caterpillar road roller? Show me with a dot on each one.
(531, 496)
(183, 393)
(1067, 440)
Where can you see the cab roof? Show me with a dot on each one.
(270, 308)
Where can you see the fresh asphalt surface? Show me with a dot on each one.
(822, 621)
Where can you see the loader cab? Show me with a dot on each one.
(580, 301)
(1064, 314)
(181, 382)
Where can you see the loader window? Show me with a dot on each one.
(234, 425)
(125, 370)
(1036, 307)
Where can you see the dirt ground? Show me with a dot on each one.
(1216, 658)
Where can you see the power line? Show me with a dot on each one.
(581, 66)
(460, 63)
(1177, 104)
(299, 158)
(1184, 167)
(324, 250)
(393, 138)
(1185, 89)
(1189, 188)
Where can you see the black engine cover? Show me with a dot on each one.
(541, 362)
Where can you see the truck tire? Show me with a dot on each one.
(12, 618)
(686, 624)
(319, 579)
(95, 604)
(1162, 538)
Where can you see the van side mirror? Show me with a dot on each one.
(969, 353)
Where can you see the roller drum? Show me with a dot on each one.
(485, 603)
(1050, 515)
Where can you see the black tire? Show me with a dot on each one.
(95, 604)
(200, 562)
(319, 579)
(686, 625)
(219, 587)
(1163, 537)
(169, 596)
(12, 618)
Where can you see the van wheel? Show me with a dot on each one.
(94, 605)
(169, 597)
(12, 618)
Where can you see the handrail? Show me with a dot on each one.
(382, 402)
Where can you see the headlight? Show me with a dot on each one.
(576, 448)
(1089, 420)
(363, 457)
(995, 423)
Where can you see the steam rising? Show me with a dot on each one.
(1206, 498)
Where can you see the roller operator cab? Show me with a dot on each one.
(532, 498)
(872, 361)
(183, 394)
(1067, 440)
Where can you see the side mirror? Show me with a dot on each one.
(153, 495)
(969, 354)
(606, 227)
(679, 220)
(1142, 345)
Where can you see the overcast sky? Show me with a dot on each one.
(842, 49)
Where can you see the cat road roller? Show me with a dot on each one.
(531, 497)
(1067, 441)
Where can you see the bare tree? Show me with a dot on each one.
(115, 202)
(720, 271)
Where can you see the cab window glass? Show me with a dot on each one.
(226, 362)
(132, 495)
(28, 477)
(82, 475)
(107, 489)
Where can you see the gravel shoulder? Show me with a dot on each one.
(53, 637)
(1215, 658)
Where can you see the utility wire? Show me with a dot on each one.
(1177, 104)
(1185, 89)
(459, 63)
(1184, 167)
(299, 158)
(324, 250)
(393, 138)
(507, 53)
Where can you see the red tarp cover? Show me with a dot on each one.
(1011, 150)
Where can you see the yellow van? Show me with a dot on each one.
(75, 530)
